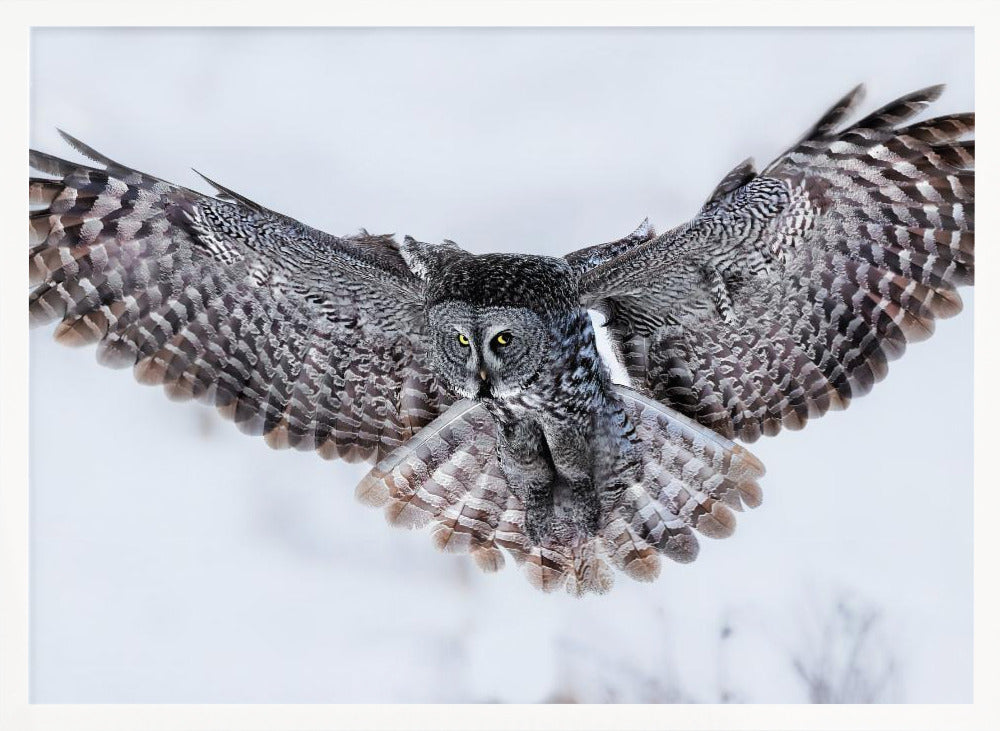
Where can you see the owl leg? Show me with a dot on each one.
(538, 512)
(524, 460)
(571, 449)
(586, 509)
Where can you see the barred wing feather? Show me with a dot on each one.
(309, 339)
(793, 288)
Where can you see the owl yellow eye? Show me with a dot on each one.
(463, 340)
(503, 339)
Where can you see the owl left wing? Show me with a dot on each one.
(310, 339)
(792, 289)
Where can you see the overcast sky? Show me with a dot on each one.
(175, 560)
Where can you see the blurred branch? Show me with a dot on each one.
(850, 662)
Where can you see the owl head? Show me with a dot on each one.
(496, 319)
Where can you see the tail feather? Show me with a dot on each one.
(448, 476)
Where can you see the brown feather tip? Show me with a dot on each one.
(373, 489)
(718, 522)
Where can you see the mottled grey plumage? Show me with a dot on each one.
(475, 381)
(789, 293)
(312, 340)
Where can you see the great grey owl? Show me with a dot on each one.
(474, 382)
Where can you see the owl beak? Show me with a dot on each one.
(484, 385)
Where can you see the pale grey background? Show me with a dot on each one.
(175, 560)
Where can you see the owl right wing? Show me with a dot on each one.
(312, 340)
(787, 295)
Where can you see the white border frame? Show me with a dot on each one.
(18, 17)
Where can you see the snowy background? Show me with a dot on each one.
(175, 560)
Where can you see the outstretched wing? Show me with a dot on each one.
(791, 290)
(309, 339)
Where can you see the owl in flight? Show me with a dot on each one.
(474, 383)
